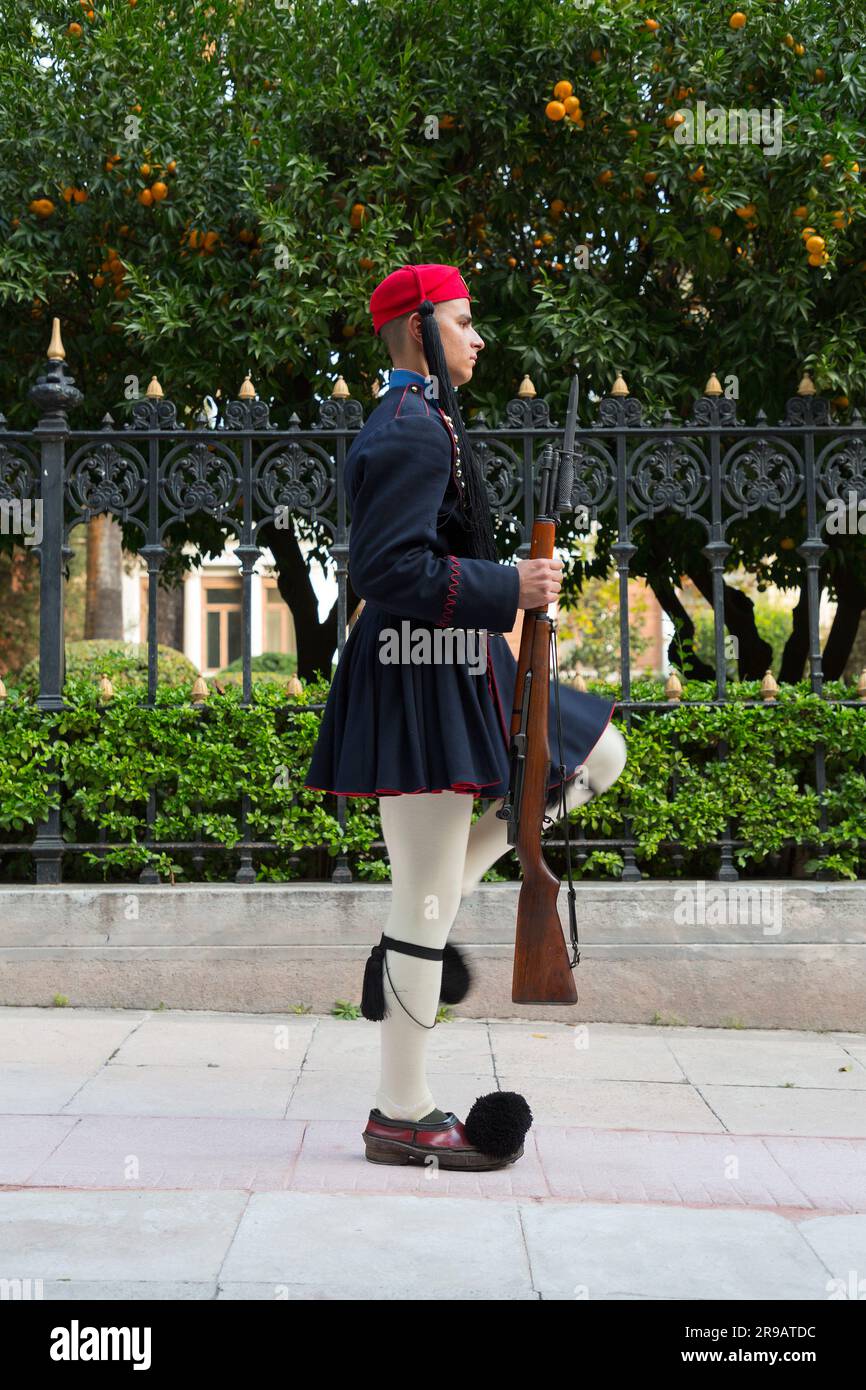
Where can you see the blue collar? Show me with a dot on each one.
(404, 376)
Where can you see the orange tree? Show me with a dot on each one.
(207, 189)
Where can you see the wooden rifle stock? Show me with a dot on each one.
(542, 971)
(542, 974)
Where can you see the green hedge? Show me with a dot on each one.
(125, 664)
(268, 666)
(198, 759)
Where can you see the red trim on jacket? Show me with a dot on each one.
(451, 596)
(415, 392)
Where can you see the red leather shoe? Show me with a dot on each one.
(416, 1141)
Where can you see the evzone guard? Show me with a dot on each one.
(426, 738)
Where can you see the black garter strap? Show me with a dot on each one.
(409, 948)
(373, 993)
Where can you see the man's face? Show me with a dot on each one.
(460, 341)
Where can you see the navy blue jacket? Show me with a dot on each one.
(405, 728)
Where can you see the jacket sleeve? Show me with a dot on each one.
(394, 559)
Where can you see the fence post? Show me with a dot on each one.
(54, 393)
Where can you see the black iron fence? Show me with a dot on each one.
(152, 472)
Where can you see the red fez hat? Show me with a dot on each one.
(404, 289)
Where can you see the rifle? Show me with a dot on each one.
(542, 971)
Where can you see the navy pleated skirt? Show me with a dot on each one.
(402, 729)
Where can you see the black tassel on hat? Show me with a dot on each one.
(476, 504)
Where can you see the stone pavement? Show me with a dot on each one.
(193, 1155)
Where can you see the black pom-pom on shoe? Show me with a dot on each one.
(456, 976)
(497, 1123)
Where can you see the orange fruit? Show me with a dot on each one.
(787, 543)
(789, 40)
(799, 49)
(365, 263)
(699, 174)
(841, 401)
(571, 104)
(145, 197)
(43, 207)
(650, 177)
(144, 170)
(159, 190)
(596, 55)
(557, 207)
(171, 166)
(815, 260)
(801, 211)
(605, 176)
(820, 74)
(67, 195)
(562, 90)
(715, 232)
(827, 160)
(737, 20)
(512, 261)
(554, 110)
(576, 118)
(80, 195)
(676, 119)
(815, 244)
(747, 211)
(632, 134)
(651, 24)
(74, 30)
(357, 215)
(99, 281)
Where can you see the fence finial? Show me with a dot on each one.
(154, 390)
(199, 692)
(713, 386)
(106, 689)
(293, 687)
(861, 685)
(807, 386)
(247, 391)
(526, 391)
(56, 350)
(769, 688)
(673, 687)
(619, 387)
(341, 391)
(3, 688)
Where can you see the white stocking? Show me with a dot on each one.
(425, 835)
(488, 836)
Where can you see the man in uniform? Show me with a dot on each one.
(426, 739)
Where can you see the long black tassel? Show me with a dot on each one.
(479, 517)
(373, 993)
(456, 980)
